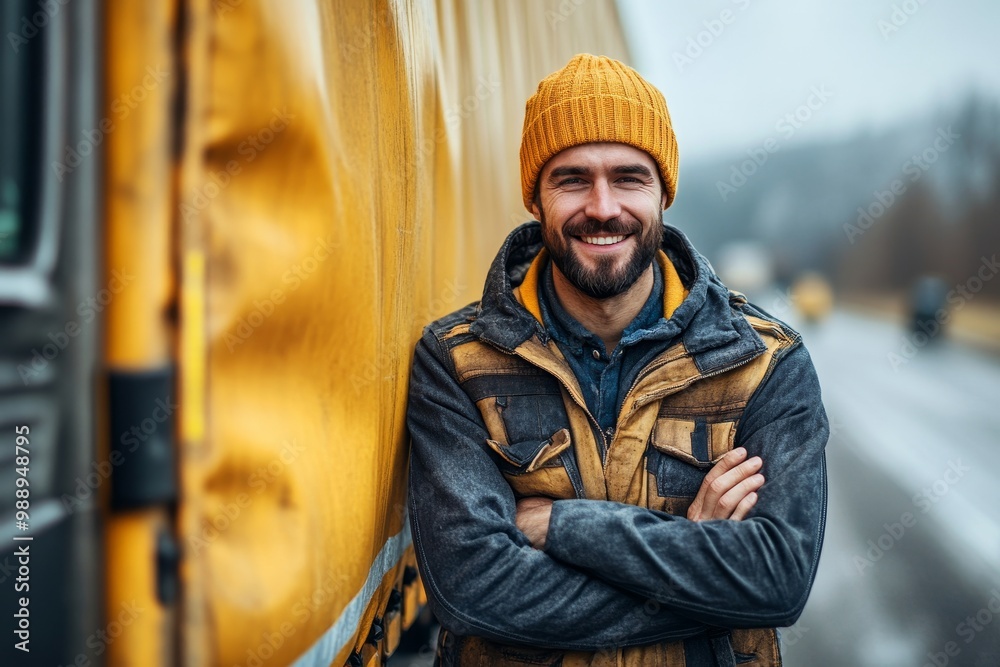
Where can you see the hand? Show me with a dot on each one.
(533, 519)
(729, 489)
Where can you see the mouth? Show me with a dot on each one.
(603, 240)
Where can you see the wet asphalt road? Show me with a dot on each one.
(910, 572)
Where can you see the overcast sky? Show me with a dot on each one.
(772, 55)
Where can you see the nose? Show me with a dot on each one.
(601, 202)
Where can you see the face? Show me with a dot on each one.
(600, 206)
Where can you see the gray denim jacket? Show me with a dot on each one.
(493, 417)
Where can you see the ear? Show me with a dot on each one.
(535, 211)
(663, 201)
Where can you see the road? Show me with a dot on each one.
(910, 572)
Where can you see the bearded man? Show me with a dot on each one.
(615, 459)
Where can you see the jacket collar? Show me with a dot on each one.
(711, 329)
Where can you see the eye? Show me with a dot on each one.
(572, 180)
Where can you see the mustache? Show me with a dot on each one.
(593, 226)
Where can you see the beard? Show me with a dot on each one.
(604, 280)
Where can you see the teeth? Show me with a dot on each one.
(602, 240)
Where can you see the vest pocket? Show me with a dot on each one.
(696, 441)
(682, 451)
(675, 478)
(536, 467)
(529, 456)
(529, 432)
(531, 417)
(519, 407)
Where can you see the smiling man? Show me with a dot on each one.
(616, 460)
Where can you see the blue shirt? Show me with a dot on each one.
(604, 379)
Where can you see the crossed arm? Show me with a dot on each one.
(729, 491)
(604, 561)
(748, 573)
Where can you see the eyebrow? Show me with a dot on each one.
(640, 169)
(633, 169)
(559, 172)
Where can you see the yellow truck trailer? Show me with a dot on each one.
(223, 224)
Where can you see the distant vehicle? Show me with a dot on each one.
(812, 296)
(745, 266)
(927, 306)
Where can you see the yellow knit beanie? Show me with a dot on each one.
(595, 98)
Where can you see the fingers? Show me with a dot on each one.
(721, 493)
(725, 464)
(728, 489)
(744, 507)
(741, 498)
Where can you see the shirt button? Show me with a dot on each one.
(597, 354)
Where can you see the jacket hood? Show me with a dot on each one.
(708, 322)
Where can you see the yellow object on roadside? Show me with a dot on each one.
(813, 296)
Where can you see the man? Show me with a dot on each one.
(616, 460)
